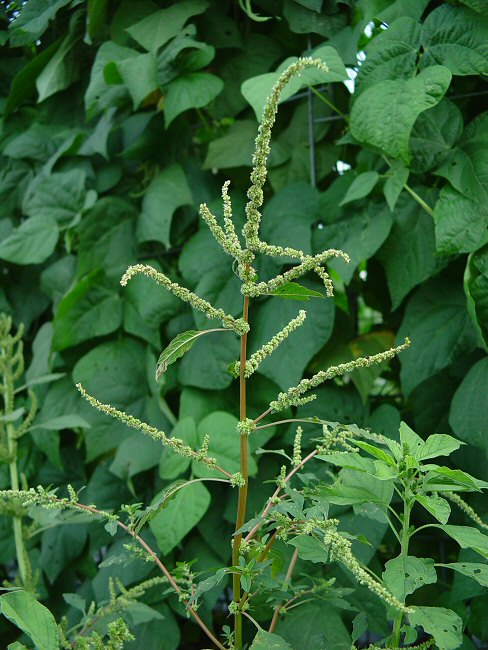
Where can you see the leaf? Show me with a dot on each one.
(361, 186)
(178, 347)
(396, 105)
(315, 625)
(408, 255)
(257, 89)
(205, 365)
(139, 74)
(153, 31)
(60, 546)
(183, 513)
(100, 95)
(449, 479)
(91, 308)
(59, 196)
(468, 537)
(443, 624)
(63, 422)
(167, 191)
(460, 223)
(438, 444)
(437, 506)
(134, 455)
(295, 291)
(394, 184)
(268, 641)
(404, 575)
(191, 90)
(61, 70)
(33, 20)
(439, 327)
(24, 611)
(32, 242)
(310, 548)
(476, 290)
(475, 570)
(455, 37)
(469, 409)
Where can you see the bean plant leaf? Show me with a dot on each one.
(361, 186)
(192, 90)
(268, 641)
(32, 242)
(24, 611)
(396, 105)
(443, 624)
(469, 408)
(460, 223)
(178, 347)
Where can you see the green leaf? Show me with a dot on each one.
(183, 513)
(167, 191)
(396, 105)
(405, 574)
(178, 347)
(350, 460)
(63, 422)
(469, 409)
(438, 444)
(303, 21)
(311, 549)
(356, 488)
(361, 186)
(295, 291)
(32, 618)
(257, 89)
(455, 37)
(59, 196)
(475, 570)
(408, 254)
(172, 465)
(268, 641)
(224, 444)
(394, 184)
(205, 365)
(191, 90)
(437, 506)
(315, 625)
(159, 27)
(450, 479)
(134, 455)
(468, 537)
(100, 95)
(60, 546)
(440, 329)
(139, 74)
(32, 242)
(61, 71)
(460, 223)
(92, 308)
(476, 290)
(443, 624)
(33, 20)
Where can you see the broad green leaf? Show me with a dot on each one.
(303, 21)
(443, 624)
(172, 465)
(436, 505)
(404, 575)
(257, 89)
(224, 444)
(60, 546)
(205, 365)
(269, 641)
(468, 537)
(410, 440)
(301, 345)
(167, 191)
(159, 27)
(361, 186)
(24, 611)
(311, 549)
(100, 95)
(376, 452)
(356, 488)
(32, 242)
(178, 347)
(315, 625)
(61, 71)
(59, 196)
(63, 422)
(469, 410)
(476, 290)
(364, 346)
(134, 455)
(438, 444)
(349, 460)
(33, 20)
(408, 254)
(396, 105)
(453, 477)
(455, 37)
(92, 308)
(295, 291)
(139, 76)
(475, 570)
(191, 90)
(394, 184)
(440, 329)
(460, 223)
(183, 513)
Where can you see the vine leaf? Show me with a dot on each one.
(179, 346)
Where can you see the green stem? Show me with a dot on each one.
(8, 397)
(419, 200)
(242, 499)
(405, 538)
(329, 103)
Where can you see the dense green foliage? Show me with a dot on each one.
(119, 119)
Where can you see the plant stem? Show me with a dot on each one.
(242, 499)
(328, 102)
(277, 609)
(405, 538)
(8, 398)
(419, 200)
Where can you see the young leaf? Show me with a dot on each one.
(178, 347)
(438, 444)
(361, 186)
(295, 291)
(31, 617)
(437, 506)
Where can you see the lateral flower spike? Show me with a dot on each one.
(260, 158)
(175, 444)
(268, 348)
(238, 325)
(293, 394)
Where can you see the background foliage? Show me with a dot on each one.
(119, 118)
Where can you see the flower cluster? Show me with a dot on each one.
(466, 508)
